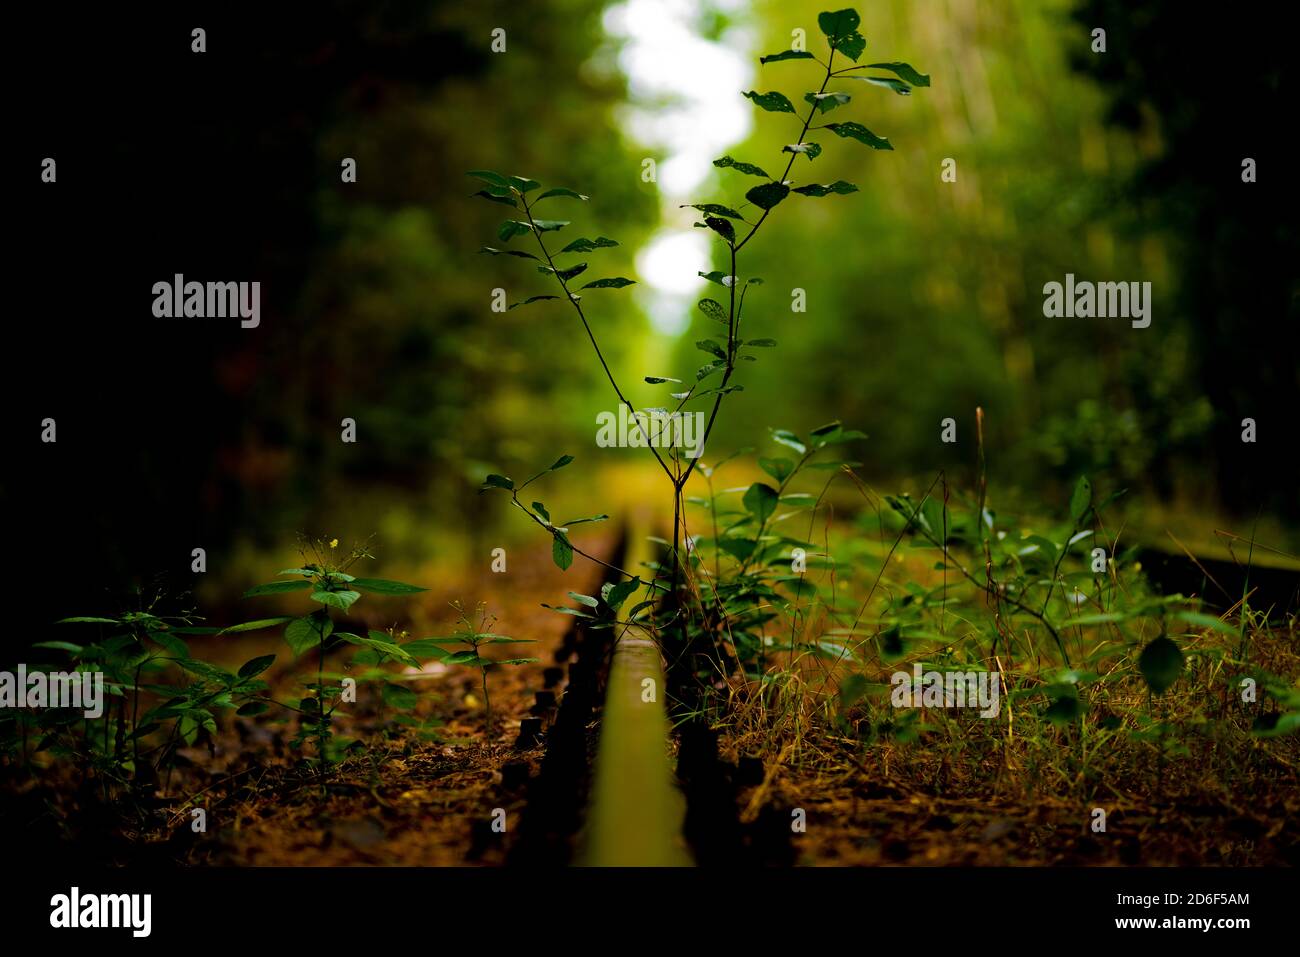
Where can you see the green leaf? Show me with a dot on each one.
(615, 595)
(378, 641)
(498, 481)
(549, 225)
(1161, 662)
(524, 184)
(814, 189)
(704, 371)
(904, 70)
(773, 102)
(713, 209)
(786, 55)
(255, 666)
(1207, 621)
(888, 82)
(1081, 500)
(383, 586)
(496, 179)
(497, 197)
(60, 646)
(585, 599)
(747, 168)
(561, 191)
(428, 647)
(565, 274)
(711, 347)
(512, 228)
(768, 195)
(825, 102)
(584, 245)
(779, 469)
(309, 631)
(810, 150)
(515, 661)
(790, 440)
(540, 509)
(722, 228)
(583, 521)
(342, 600)
(1065, 710)
(529, 301)
(713, 309)
(659, 379)
(399, 696)
(255, 625)
(760, 501)
(561, 551)
(840, 23)
(851, 45)
(508, 252)
(251, 708)
(561, 462)
(760, 343)
(87, 620)
(275, 588)
(860, 133)
(616, 283)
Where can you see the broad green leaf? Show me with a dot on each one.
(60, 646)
(529, 301)
(561, 191)
(789, 439)
(760, 343)
(617, 282)
(512, 228)
(860, 133)
(496, 179)
(584, 245)
(524, 184)
(275, 588)
(768, 195)
(561, 462)
(888, 82)
(342, 600)
(540, 509)
(497, 197)
(508, 252)
(721, 278)
(722, 227)
(711, 347)
(810, 150)
(615, 595)
(760, 501)
(399, 696)
(585, 599)
(255, 666)
(561, 551)
(779, 469)
(659, 379)
(713, 209)
(307, 570)
(255, 625)
(428, 647)
(851, 45)
(87, 620)
(839, 23)
(309, 631)
(498, 481)
(786, 55)
(713, 309)
(549, 225)
(1081, 499)
(814, 189)
(565, 274)
(773, 102)
(905, 71)
(383, 586)
(704, 371)
(1161, 662)
(727, 162)
(825, 102)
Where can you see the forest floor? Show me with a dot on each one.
(443, 792)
